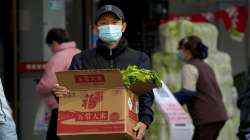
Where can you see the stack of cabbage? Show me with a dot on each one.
(168, 66)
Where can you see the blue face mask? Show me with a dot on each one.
(110, 33)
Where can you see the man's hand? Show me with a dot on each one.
(60, 91)
(140, 130)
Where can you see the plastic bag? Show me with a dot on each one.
(179, 122)
(42, 118)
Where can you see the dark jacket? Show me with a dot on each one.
(244, 106)
(207, 104)
(102, 57)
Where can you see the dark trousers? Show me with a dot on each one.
(208, 131)
(51, 133)
(244, 136)
(244, 130)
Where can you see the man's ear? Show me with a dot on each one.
(95, 29)
(124, 26)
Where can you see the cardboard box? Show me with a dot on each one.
(99, 108)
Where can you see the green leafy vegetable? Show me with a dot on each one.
(133, 74)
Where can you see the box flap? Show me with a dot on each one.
(90, 79)
(140, 87)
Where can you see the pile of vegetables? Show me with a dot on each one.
(133, 74)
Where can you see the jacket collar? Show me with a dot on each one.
(111, 53)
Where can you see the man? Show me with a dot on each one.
(7, 124)
(112, 52)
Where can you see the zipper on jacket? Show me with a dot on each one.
(111, 61)
(110, 52)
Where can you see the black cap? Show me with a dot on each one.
(109, 9)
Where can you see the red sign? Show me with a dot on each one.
(175, 113)
(115, 116)
(83, 116)
(234, 18)
(97, 78)
(133, 110)
(68, 128)
(92, 99)
(31, 66)
(92, 116)
(133, 115)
